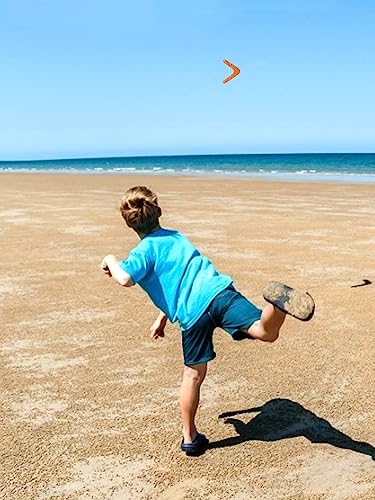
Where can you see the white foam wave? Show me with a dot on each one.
(307, 174)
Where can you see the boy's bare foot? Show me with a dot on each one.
(300, 305)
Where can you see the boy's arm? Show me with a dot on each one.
(111, 267)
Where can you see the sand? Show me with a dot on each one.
(89, 403)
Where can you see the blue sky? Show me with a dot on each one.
(116, 78)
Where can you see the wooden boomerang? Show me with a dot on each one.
(365, 282)
(236, 71)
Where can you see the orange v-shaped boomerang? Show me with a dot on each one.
(236, 71)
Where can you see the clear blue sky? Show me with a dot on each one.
(105, 78)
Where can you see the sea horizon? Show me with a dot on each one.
(340, 167)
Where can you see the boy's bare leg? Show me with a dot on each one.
(189, 398)
(267, 329)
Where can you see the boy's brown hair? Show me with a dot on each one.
(140, 210)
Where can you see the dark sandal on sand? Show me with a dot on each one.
(198, 446)
(298, 304)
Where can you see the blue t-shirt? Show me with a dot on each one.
(177, 278)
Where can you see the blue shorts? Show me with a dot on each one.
(230, 311)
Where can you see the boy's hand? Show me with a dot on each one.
(157, 329)
(104, 267)
(110, 266)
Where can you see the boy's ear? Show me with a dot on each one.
(159, 212)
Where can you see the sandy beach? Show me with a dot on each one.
(89, 403)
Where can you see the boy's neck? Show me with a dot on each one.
(143, 235)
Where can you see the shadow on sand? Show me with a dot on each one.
(283, 419)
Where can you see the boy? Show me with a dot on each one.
(186, 287)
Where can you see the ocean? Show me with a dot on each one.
(340, 167)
